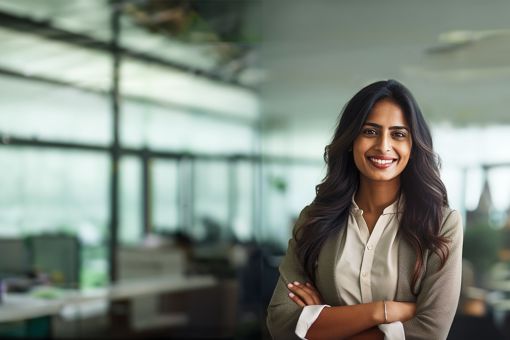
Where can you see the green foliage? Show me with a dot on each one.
(91, 278)
(94, 269)
(278, 183)
(481, 246)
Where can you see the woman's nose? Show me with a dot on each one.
(384, 143)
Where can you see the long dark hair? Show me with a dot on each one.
(424, 192)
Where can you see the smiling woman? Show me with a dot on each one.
(377, 254)
(384, 143)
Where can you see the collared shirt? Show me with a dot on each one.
(366, 266)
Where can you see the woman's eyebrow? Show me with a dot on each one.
(396, 127)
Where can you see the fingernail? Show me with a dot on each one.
(290, 285)
(291, 294)
(296, 283)
(307, 284)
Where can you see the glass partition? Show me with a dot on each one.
(47, 191)
(165, 196)
(130, 203)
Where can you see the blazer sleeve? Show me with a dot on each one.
(282, 312)
(437, 300)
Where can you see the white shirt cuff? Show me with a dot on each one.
(306, 319)
(393, 331)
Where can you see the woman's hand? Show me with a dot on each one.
(304, 294)
(400, 311)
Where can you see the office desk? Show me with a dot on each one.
(19, 307)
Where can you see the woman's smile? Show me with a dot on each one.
(382, 162)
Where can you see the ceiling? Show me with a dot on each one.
(200, 67)
(318, 54)
(304, 59)
(199, 34)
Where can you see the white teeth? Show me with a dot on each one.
(381, 161)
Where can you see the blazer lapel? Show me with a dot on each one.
(406, 261)
(326, 282)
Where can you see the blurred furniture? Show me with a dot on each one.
(144, 312)
(55, 256)
(140, 261)
(466, 327)
(74, 302)
(498, 282)
(212, 310)
(21, 306)
(58, 256)
(14, 258)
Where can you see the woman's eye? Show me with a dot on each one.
(369, 132)
(399, 134)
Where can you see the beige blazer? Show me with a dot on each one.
(437, 291)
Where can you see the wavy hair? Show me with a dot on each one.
(424, 192)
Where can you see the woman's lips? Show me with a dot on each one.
(382, 162)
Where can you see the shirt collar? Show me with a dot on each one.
(396, 207)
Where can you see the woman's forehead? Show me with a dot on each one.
(387, 112)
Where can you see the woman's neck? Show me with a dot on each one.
(375, 196)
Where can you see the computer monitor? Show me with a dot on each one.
(58, 256)
(14, 258)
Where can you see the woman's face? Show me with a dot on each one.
(383, 147)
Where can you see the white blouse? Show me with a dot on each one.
(366, 266)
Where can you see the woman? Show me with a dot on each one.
(377, 254)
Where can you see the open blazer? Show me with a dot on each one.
(437, 291)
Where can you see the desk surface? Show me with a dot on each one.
(17, 307)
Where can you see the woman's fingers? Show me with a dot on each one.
(310, 286)
(314, 293)
(305, 293)
(296, 299)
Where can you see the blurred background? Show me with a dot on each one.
(155, 153)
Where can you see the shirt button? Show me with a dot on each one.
(370, 247)
(364, 274)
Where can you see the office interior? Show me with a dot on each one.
(156, 153)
